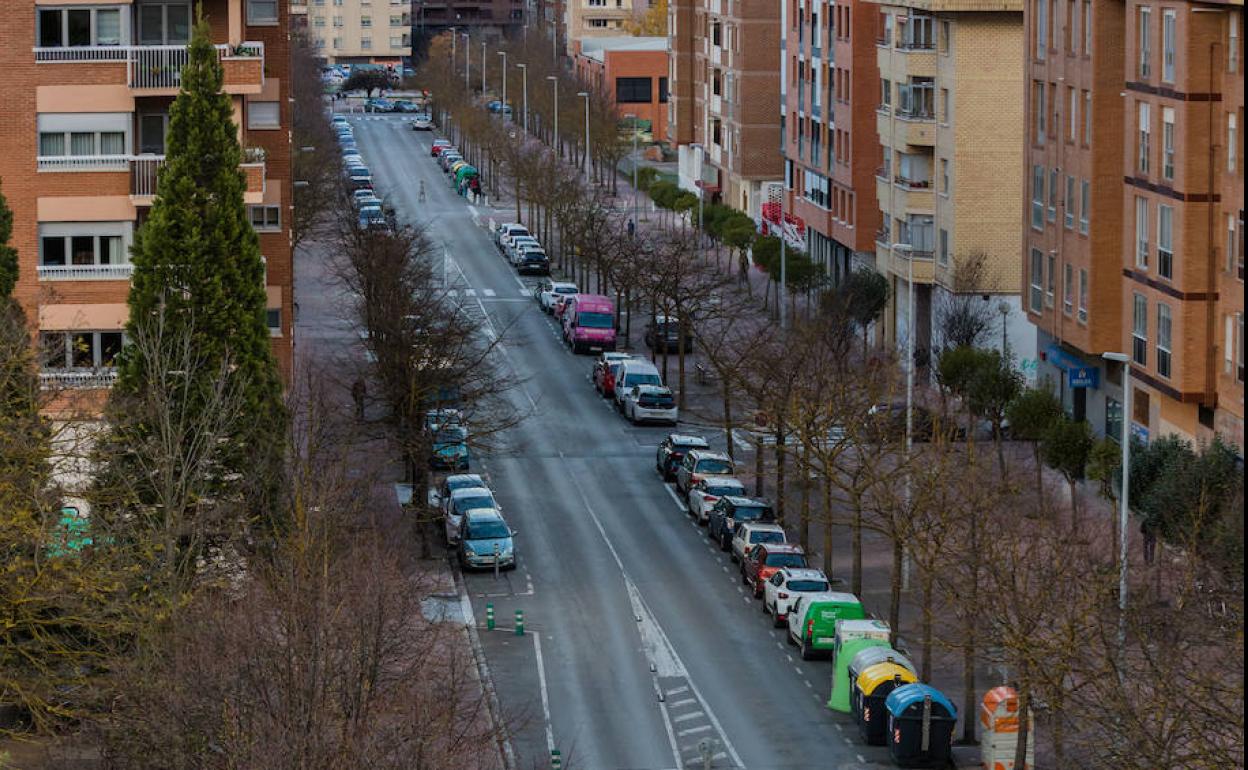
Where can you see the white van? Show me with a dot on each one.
(634, 372)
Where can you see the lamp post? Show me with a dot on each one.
(585, 163)
(907, 249)
(698, 183)
(1124, 505)
(467, 63)
(634, 117)
(1004, 309)
(483, 68)
(555, 82)
(524, 71)
(454, 47)
(504, 55)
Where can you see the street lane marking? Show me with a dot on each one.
(488, 292)
(676, 499)
(684, 702)
(541, 675)
(687, 717)
(692, 730)
(677, 691)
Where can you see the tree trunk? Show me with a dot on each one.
(727, 396)
(781, 468)
(758, 464)
(827, 526)
(856, 500)
(1024, 721)
(996, 436)
(1035, 456)
(969, 646)
(925, 665)
(894, 593)
(1074, 504)
(803, 467)
(680, 361)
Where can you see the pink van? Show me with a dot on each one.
(589, 323)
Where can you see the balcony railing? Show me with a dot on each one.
(915, 45)
(85, 272)
(916, 115)
(147, 66)
(143, 172)
(83, 162)
(53, 379)
(912, 184)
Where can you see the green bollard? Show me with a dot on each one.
(556, 760)
(489, 617)
(519, 622)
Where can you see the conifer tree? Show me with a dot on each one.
(198, 276)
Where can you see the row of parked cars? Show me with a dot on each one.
(522, 249)
(370, 212)
(473, 523)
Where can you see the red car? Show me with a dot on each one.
(606, 367)
(438, 146)
(766, 559)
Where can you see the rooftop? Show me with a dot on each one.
(597, 47)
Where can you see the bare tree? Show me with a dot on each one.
(964, 316)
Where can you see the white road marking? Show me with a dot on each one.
(692, 730)
(675, 498)
(839, 727)
(860, 758)
(541, 675)
(687, 717)
(470, 292)
(488, 292)
(677, 691)
(682, 702)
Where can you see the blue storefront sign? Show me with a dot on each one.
(1083, 377)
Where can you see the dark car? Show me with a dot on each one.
(768, 558)
(729, 512)
(534, 263)
(673, 450)
(450, 449)
(405, 105)
(887, 422)
(663, 335)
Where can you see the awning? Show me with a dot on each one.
(1079, 374)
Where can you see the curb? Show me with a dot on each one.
(505, 751)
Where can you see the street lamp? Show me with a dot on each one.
(634, 117)
(1004, 309)
(483, 66)
(698, 183)
(504, 55)
(555, 81)
(585, 95)
(467, 63)
(1124, 507)
(454, 47)
(906, 249)
(524, 70)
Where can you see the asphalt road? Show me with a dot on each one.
(639, 642)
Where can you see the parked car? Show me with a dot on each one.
(460, 502)
(650, 403)
(448, 157)
(359, 177)
(663, 335)
(339, 120)
(405, 105)
(699, 464)
(783, 588)
(589, 323)
(442, 497)
(485, 537)
(887, 423)
(422, 122)
(507, 231)
(450, 449)
(372, 216)
(379, 105)
(672, 450)
(703, 495)
(633, 372)
(358, 196)
(533, 262)
(766, 560)
(812, 621)
(436, 419)
(729, 512)
(559, 305)
(605, 368)
(516, 242)
(748, 536)
(438, 146)
(548, 289)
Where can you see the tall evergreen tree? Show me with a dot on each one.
(8, 254)
(198, 275)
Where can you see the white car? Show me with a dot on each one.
(632, 373)
(462, 501)
(751, 534)
(506, 232)
(704, 493)
(517, 243)
(422, 123)
(783, 588)
(548, 290)
(650, 403)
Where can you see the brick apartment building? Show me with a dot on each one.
(82, 135)
(829, 89)
(1134, 211)
(950, 125)
(632, 72)
(360, 31)
(724, 98)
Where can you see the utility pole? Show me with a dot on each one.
(554, 80)
(467, 63)
(504, 55)
(483, 68)
(1124, 503)
(524, 71)
(784, 264)
(585, 164)
(634, 117)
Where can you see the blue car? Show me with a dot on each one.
(450, 449)
(372, 216)
(484, 538)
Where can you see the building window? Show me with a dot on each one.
(1232, 141)
(886, 95)
(1068, 215)
(1232, 44)
(1232, 243)
(1087, 118)
(1037, 281)
(1139, 329)
(1068, 289)
(946, 44)
(1167, 143)
(273, 320)
(318, 21)
(81, 350)
(265, 218)
(1051, 283)
(944, 246)
(1085, 204)
(1037, 197)
(1163, 339)
(86, 250)
(65, 27)
(1144, 136)
(1053, 195)
(60, 144)
(261, 12)
(1141, 233)
(1072, 120)
(817, 189)
(663, 90)
(1039, 109)
(1165, 241)
(1168, 20)
(1072, 30)
(946, 107)
(1113, 418)
(366, 21)
(1087, 27)
(263, 115)
(397, 20)
(1083, 295)
(1144, 25)
(598, 23)
(337, 43)
(632, 90)
(1042, 30)
(944, 175)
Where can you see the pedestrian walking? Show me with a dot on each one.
(632, 227)
(1149, 533)
(358, 392)
(743, 269)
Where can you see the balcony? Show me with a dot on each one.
(906, 60)
(915, 129)
(144, 170)
(68, 379)
(85, 272)
(899, 261)
(157, 69)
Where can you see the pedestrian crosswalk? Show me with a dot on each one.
(516, 293)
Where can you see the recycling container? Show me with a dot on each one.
(871, 688)
(921, 721)
(852, 636)
(865, 659)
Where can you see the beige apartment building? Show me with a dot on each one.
(724, 105)
(1134, 214)
(358, 31)
(600, 18)
(950, 124)
(82, 136)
